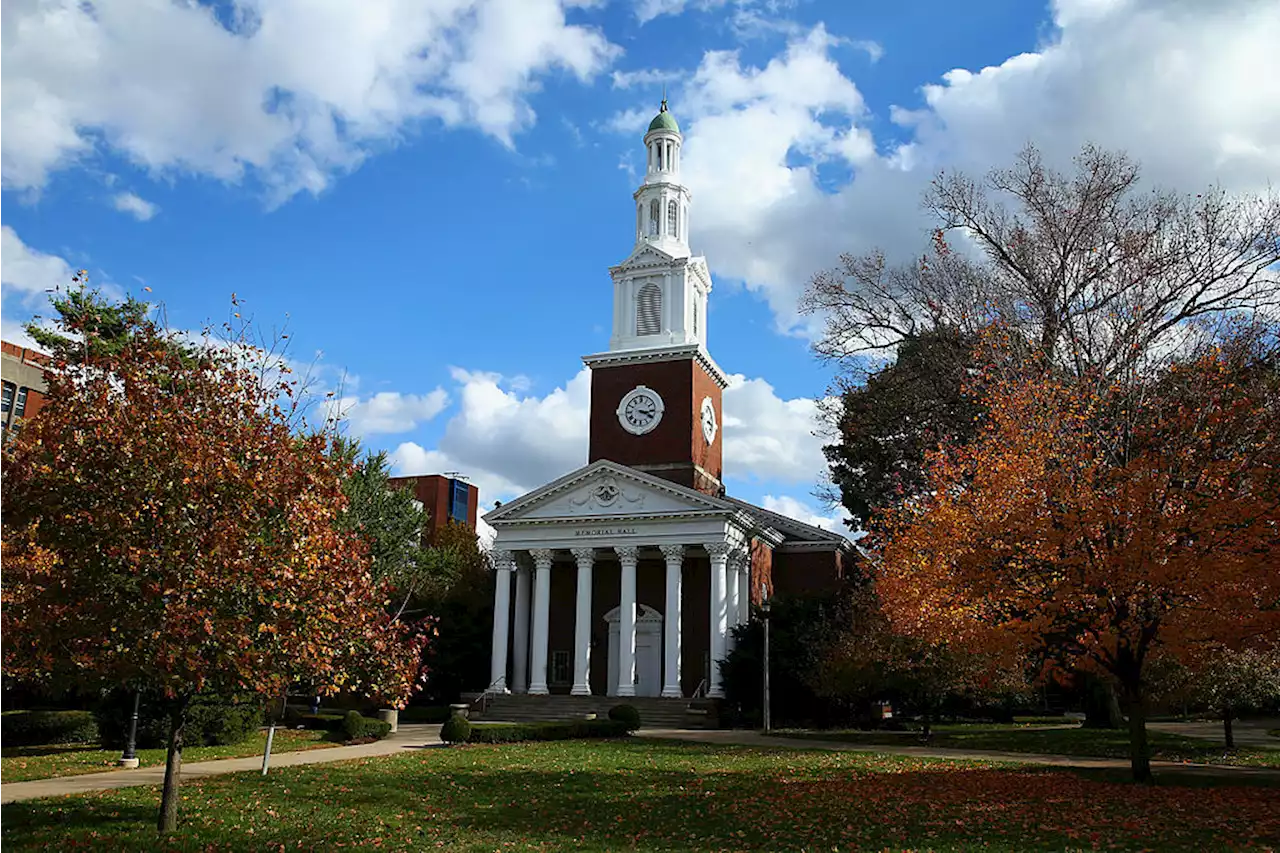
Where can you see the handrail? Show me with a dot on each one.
(487, 695)
(698, 692)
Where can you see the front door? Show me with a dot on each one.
(648, 662)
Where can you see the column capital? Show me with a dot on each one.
(584, 556)
(542, 557)
(627, 553)
(503, 561)
(718, 548)
(740, 560)
(672, 553)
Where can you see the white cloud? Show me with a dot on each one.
(27, 273)
(802, 511)
(787, 175)
(290, 92)
(509, 441)
(645, 77)
(387, 412)
(139, 208)
(768, 438)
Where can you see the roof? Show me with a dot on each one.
(793, 531)
(664, 120)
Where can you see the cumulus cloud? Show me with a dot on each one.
(837, 521)
(787, 174)
(137, 207)
(767, 437)
(508, 440)
(28, 274)
(387, 412)
(290, 92)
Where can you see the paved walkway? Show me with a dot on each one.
(1245, 732)
(740, 737)
(409, 736)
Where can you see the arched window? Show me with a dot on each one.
(672, 230)
(659, 147)
(649, 310)
(655, 210)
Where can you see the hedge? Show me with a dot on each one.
(516, 732)
(359, 728)
(626, 714)
(37, 728)
(210, 721)
(456, 729)
(326, 722)
(425, 714)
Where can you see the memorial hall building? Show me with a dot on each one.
(624, 577)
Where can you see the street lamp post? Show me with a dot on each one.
(130, 756)
(764, 608)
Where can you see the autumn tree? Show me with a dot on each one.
(165, 529)
(1228, 682)
(1100, 521)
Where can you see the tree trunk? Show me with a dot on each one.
(1102, 706)
(1226, 727)
(168, 821)
(1139, 749)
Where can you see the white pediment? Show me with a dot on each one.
(605, 490)
(646, 256)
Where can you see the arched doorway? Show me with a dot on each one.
(648, 651)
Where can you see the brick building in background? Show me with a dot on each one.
(444, 499)
(22, 370)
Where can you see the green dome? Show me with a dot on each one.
(664, 120)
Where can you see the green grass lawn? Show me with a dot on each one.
(613, 795)
(22, 763)
(1092, 743)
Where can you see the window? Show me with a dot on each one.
(659, 156)
(639, 220)
(459, 496)
(655, 210)
(560, 667)
(9, 390)
(20, 407)
(649, 310)
(671, 219)
(695, 316)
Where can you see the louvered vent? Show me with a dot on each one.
(649, 310)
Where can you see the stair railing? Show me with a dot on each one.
(700, 691)
(486, 696)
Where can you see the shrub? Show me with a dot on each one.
(362, 728)
(210, 721)
(36, 728)
(516, 732)
(456, 729)
(626, 714)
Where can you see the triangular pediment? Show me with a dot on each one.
(647, 255)
(605, 489)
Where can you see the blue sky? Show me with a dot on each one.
(430, 194)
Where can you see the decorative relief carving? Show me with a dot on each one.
(608, 495)
(717, 549)
(504, 561)
(542, 557)
(583, 556)
(627, 553)
(672, 552)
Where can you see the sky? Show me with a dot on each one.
(426, 195)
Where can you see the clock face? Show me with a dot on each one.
(709, 420)
(640, 410)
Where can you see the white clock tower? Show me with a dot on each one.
(655, 395)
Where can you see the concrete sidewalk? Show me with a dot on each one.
(409, 736)
(741, 737)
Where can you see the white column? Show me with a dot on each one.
(502, 565)
(541, 621)
(520, 642)
(674, 555)
(744, 592)
(627, 555)
(731, 600)
(719, 552)
(582, 623)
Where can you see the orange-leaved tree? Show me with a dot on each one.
(165, 529)
(1102, 521)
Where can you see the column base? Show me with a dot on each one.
(626, 692)
(672, 693)
(130, 763)
(580, 690)
(715, 693)
(539, 690)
